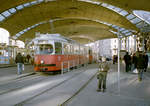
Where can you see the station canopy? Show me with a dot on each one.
(82, 20)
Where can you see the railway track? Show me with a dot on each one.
(77, 92)
(19, 80)
(51, 88)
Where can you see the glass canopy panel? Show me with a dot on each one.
(130, 16)
(113, 31)
(123, 13)
(6, 13)
(19, 7)
(104, 4)
(135, 20)
(21, 32)
(12, 10)
(18, 34)
(125, 31)
(144, 15)
(122, 29)
(32, 26)
(34, 2)
(93, 2)
(128, 33)
(26, 4)
(40, 1)
(36, 25)
(106, 23)
(1, 17)
(25, 30)
(117, 9)
(116, 27)
(110, 7)
(28, 28)
(140, 25)
(113, 26)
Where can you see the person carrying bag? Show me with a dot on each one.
(102, 75)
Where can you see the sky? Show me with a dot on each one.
(4, 34)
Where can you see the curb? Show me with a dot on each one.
(25, 75)
(17, 77)
(15, 65)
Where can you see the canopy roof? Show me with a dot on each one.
(82, 20)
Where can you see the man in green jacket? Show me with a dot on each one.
(102, 75)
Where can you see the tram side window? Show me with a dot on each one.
(58, 48)
(82, 50)
(71, 49)
(45, 49)
(66, 49)
(76, 49)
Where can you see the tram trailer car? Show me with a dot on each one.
(53, 51)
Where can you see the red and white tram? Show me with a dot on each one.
(53, 50)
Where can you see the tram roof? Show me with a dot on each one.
(55, 37)
(81, 20)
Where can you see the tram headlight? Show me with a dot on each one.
(42, 62)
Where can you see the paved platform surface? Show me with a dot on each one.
(8, 72)
(132, 92)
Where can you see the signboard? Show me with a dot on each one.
(4, 60)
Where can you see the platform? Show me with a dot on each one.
(132, 92)
(8, 72)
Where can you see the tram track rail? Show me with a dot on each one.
(17, 78)
(77, 92)
(49, 89)
(15, 89)
(21, 79)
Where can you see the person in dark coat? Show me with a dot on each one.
(146, 62)
(28, 58)
(134, 61)
(20, 61)
(127, 59)
(140, 66)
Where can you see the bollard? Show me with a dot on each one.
(74, 63)
(62, 68)
(68, 66)
(78, 63)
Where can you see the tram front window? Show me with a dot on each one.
(46, 49)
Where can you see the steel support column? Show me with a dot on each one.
(119, 43)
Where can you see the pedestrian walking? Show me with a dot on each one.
(20, 61)
(102, 75)
(134, 61)
(140, 66)
(127, 59)
(146, 61)
(28, 58)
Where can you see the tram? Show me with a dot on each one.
(53, 51)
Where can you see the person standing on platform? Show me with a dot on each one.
(146, 61)
(134, 61)
(140, 66)
(127, 59)
(28, 58)
(102, 75)
(20, 61)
